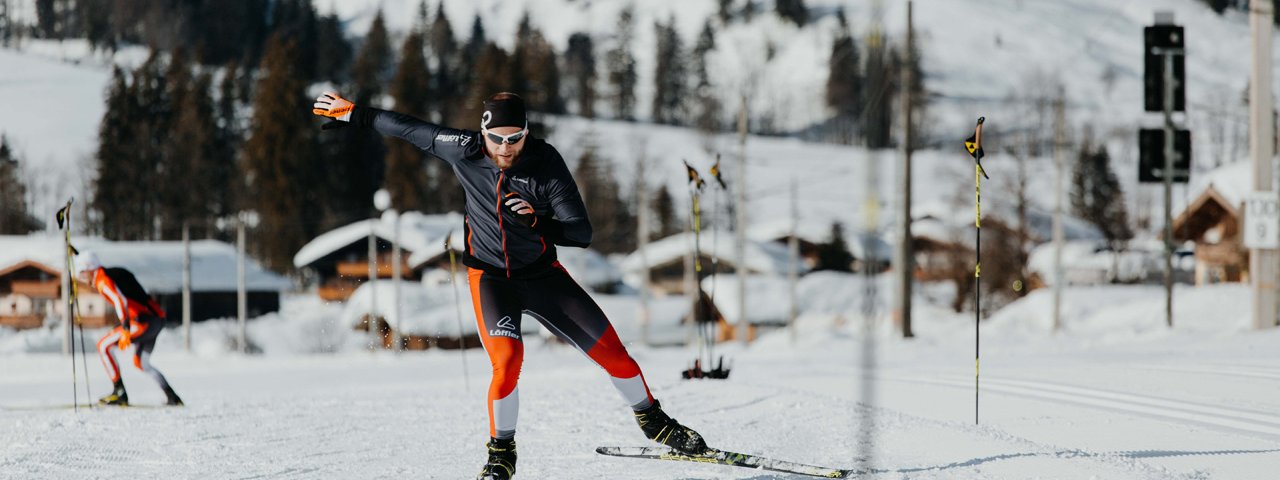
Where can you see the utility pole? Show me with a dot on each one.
(642, 241)
(242, 302)
(793, 274)
(186, 286)
(68, 314)
(1169, 153)
(396, 260)
(1059, 164)
(372, 318)
(905, 255)
(740, 209)
(1264, 260)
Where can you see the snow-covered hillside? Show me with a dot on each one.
(978, 55)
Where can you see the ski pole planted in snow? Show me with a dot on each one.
(64, 223)
(974, 146)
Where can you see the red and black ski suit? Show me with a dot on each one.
(141, 318)
(512, 268)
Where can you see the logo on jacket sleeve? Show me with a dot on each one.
(459, 139)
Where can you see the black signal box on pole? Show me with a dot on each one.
(1157, 38)
(1151, 156)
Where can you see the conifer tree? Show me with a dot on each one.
(611, 218)
(664, 209)
(708, 106)
(669, 75)
(621, 66)
(793, 10)
(15, 219)
(1097, 196)
(407, 178)
(280, 165)
(580, 65)
(844, 83)
(881, 78)
(537, 78)
(115, 197)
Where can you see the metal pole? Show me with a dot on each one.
(1263, 263)
(242, 302)
(642, 241)
(66, 306)
(186, 287)
(1169, 131)
(395, 277)
(740, 208)
(905, 254)
(372, 318)
(1059, 163)
(793, 276)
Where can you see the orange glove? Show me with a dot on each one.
(125, 340)
(331, 105)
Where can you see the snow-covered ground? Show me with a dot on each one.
(1114, 395)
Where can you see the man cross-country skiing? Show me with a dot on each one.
(521, 202)
(141, 320)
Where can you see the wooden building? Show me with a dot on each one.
(1213, 221)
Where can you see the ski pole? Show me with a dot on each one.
(974, 145)
(84, 362)
(64, 223)
(695, 189)
(715, 259)
(457, 306)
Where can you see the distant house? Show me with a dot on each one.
(664, 260)
(31, 292)
(31, 270)
(338, 260)
(811, 235)
(1214, 220)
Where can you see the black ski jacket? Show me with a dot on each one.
(496, 241)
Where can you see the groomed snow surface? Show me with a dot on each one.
(1114, 395)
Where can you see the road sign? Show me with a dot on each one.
(1158, 39)
(1262, 220)
(1151, 156)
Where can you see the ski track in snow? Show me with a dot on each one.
(1263, 425)
(383, 416)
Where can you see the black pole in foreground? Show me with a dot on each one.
(974, 146)
(64, 222)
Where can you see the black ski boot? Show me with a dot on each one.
(502, 460)
(666, 430)
(117, 397)
(171, 397)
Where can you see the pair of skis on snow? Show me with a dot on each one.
(722, 457)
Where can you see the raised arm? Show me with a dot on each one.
(449, 144)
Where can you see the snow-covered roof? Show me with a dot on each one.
(40, 247)
(761, 257)
(766, 297)
(944, 221)
(418, 232)
(157, 265)
(425, 309)
(426, 252)
(588, 267)
(810, 230)
(1233, 181)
